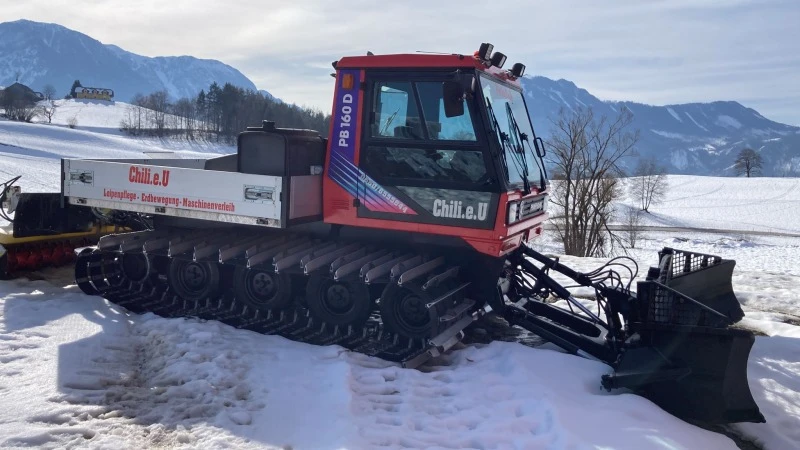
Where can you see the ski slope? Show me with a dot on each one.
(79, 372)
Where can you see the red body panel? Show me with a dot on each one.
(339, 205)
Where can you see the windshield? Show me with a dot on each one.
(509, 107)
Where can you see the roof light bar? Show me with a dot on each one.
(498, 59)
(518, 70)
(485, 51)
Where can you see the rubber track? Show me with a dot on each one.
(98, 272)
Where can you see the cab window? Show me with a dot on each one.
(396, 113)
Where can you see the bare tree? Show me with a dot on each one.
(748, 162)
(159, 104)
(586, 153)
(633, 226)
(49, 92)
(649, 185)
(22, 112)
(48, 110)
(186, 114)
(139, 115)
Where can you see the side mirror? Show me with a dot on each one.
(453, 96)
(539, 144)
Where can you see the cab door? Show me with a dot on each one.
(417, 165)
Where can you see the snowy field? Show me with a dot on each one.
(78, 372)
(744, 204)
(35, 149)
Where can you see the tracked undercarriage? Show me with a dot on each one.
(305, 289)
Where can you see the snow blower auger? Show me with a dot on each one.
(671, 341)
(38, 230)
(389, 236)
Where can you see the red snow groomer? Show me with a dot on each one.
(393, 234)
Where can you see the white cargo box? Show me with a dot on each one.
(182, 188)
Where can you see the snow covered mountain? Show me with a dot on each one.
(692, 138)
(43, 53)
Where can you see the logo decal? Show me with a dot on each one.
(455, 209)
(144, 175)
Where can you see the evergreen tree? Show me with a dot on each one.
(75, 84)
(200, 103)
(222, 112)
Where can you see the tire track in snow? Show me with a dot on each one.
(702, 194)
(152, 383)
(760, 201)
(181, 382)
(46, 343)
(399, 408)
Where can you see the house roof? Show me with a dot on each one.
(21, 89)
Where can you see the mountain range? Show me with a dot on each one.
(37, 54)
(690, 138)
(693, 138)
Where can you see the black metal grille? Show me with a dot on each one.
(667, 307)
(684, 262)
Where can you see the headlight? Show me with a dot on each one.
(513, 213)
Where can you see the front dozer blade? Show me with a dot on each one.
(693, 373)
(685, 355)
(677, 347)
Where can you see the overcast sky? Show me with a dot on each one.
(657, 52)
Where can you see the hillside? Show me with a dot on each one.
(35, 149)
(693, 138)
(43, 53)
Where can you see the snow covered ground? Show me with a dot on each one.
(78, 372)
(744, 204)
(34, 150)
(81, 373)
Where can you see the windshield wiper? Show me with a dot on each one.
(524, 138)
(518, 149)
(506, 145)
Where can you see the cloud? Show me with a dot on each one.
(664, 51)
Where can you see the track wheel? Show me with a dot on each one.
(262, 289)
(135, 266)
(192, 280)
(111, 269)
(85, 257)
(404, 311)
(339, 303)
